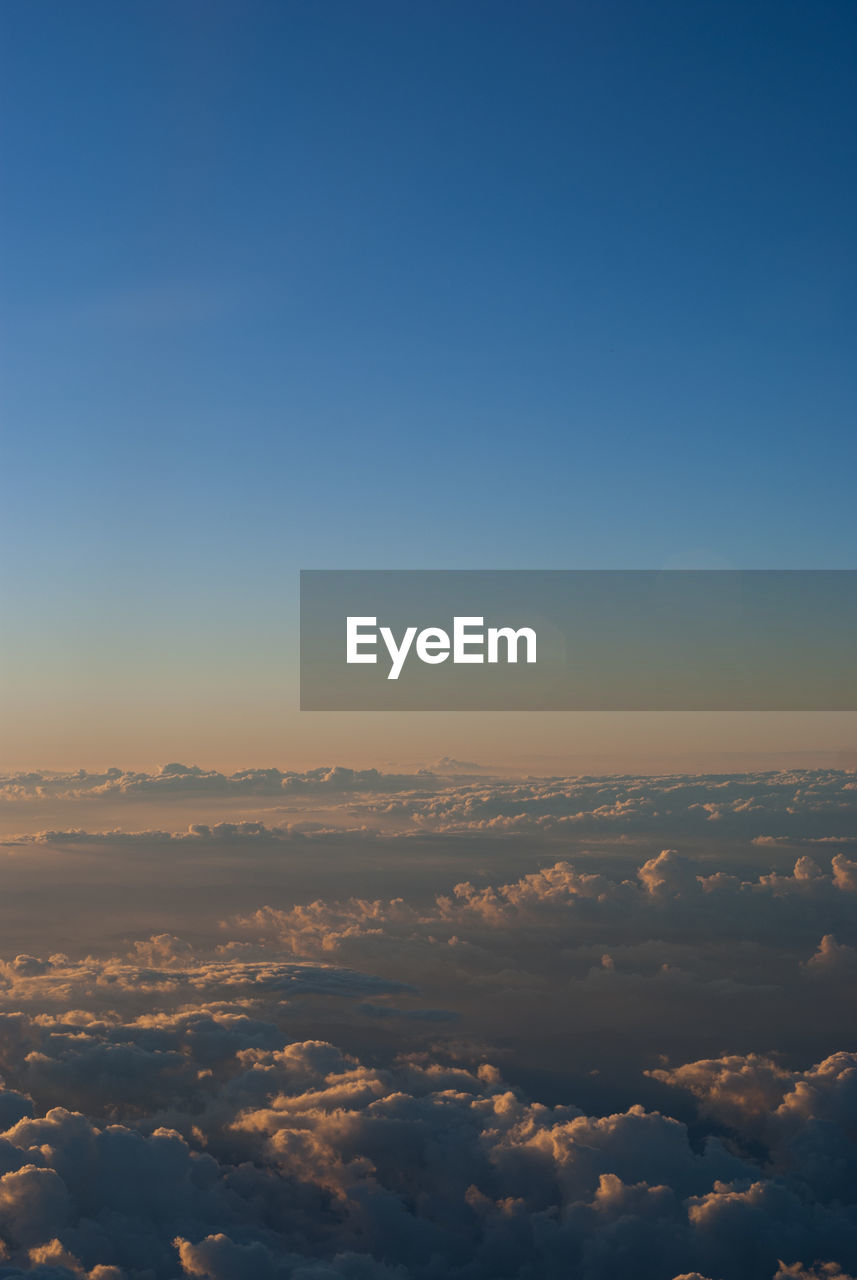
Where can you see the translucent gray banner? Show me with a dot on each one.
(594, 640)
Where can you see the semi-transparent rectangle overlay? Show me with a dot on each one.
(579, 640)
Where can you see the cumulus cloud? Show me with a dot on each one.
(677, 957)
(175, 779)
(777, 809)
(821, 1271)
(302, 1162)
(804, 804)
(802, 1117)
(28, 980)
(232, 834)
(668, 897)
(674, 951)
(343, 1087)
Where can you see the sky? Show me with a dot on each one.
(416, 996)
(296, 285)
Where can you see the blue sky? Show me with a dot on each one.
(425, 284)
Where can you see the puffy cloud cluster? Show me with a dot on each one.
(553, 969)
(803, 1118)
(802, 803)
(776, 808)
(573, 972)
(176, 779)
(305, 1091)
(672, 898)
(167, 967)
(294, 1160)
(197, 833)
(160, 1119)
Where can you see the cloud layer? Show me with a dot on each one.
(778, 806)
(634, 1061)
(235, 1153)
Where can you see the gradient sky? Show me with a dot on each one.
(400, 285)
